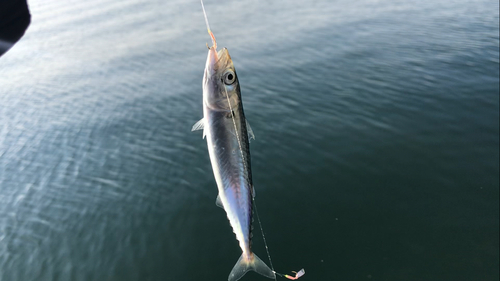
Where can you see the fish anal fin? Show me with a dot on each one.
(218, 202)
(243, 265)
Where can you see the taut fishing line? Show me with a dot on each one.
(253, 195)
(302, 271)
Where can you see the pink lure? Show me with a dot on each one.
(297, 275)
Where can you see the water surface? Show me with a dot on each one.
(376, 158)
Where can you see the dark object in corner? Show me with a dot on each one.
(14, 20)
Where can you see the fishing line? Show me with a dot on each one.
(297, 274)
(214, 43)
(264, 238)
(236, 132)
(302, 271)
(253, 195)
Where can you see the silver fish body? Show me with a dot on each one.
(226, 130)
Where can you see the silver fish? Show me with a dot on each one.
(228, 134)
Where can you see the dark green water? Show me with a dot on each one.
(376, 154)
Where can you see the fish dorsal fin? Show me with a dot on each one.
(250, 131)
(200, 125)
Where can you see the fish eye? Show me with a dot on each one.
(229, 77)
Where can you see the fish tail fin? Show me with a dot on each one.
(243, 265)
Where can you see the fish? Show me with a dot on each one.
(228, 133)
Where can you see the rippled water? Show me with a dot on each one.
(377, 150)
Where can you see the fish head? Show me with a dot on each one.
(221, 89)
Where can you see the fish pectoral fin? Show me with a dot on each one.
(243, 265)
(200, 125)
(218, 202)
(250, 131)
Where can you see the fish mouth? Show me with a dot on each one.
(217, 62)
(212, 60)
(224, 59)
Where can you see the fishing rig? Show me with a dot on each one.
(300, 272)
(297, 274)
